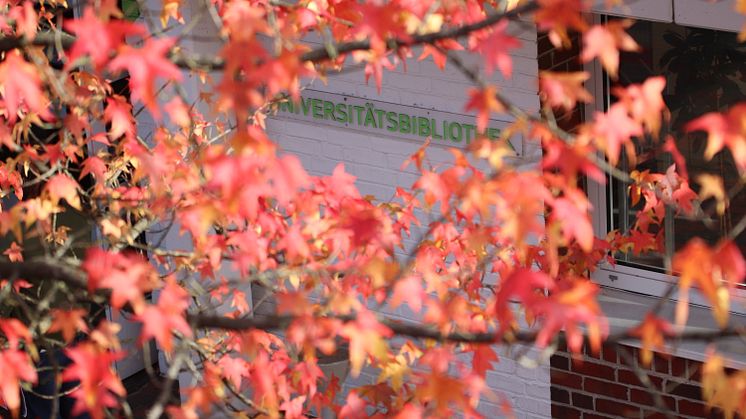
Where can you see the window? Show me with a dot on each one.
(705, 71)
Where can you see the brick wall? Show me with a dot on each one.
(562, 60)
(604, 386)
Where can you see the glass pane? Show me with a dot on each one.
(705, 72)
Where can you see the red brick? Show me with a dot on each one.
(678, 367)
(594, 370)
(560, 411)
(630, 378)
(610, 354)
(689, 408)
(644, 397)
(650, 414)
(587, 415)
(614, 391)
(582, 401)
(660, 364)
(694, 368)
(559, 395)
(617, 409)
(566, 379)
(560, 362)
(685, 390)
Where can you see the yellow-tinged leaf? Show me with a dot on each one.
(395, 370)
(722, 390)
(712, 187)
(380, 271)
(63, 187)
(652, 332)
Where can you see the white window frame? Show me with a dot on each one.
(621, 277)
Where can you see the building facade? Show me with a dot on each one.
(348, 121)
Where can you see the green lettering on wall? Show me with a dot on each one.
(372, 117)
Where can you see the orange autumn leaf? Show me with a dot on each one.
(564, 90)
(713, 271)
(484, 102)
(720, 389)
(652, 332)
(69, 322)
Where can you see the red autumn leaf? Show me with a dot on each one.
(95, 167)
(724, 130)
(557, 16)
(573, 217)
(144, 66)
(69, 322)
(26, 19)
(97, 38)
(118, 113)
(16, 366)
(14, 252)
(573, 304)
(288, 177)
(571, 160)
(128, 277)
(483, 101)
(179, 113)
(61, 187)
(15, 332)
(339, 185)
(484, 356)
(379, 22)
(614, 129)
(670, 146)
(93, 368)
(645, 102)
(436, 190)
(167, 316)
(439, 58)
(355, 408)
(22, 86)
(410, 411)
(234, 369)
(418, 156)
(374, 67)
(521, 284)
(605, 42)
(408, 290)
(495, 49)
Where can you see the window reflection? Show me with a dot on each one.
(705, 71)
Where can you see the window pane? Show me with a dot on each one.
(705, 72)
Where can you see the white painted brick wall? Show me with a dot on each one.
(376, 160)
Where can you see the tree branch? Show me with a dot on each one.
(36, 270)
(210, 62)
(278, 322)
